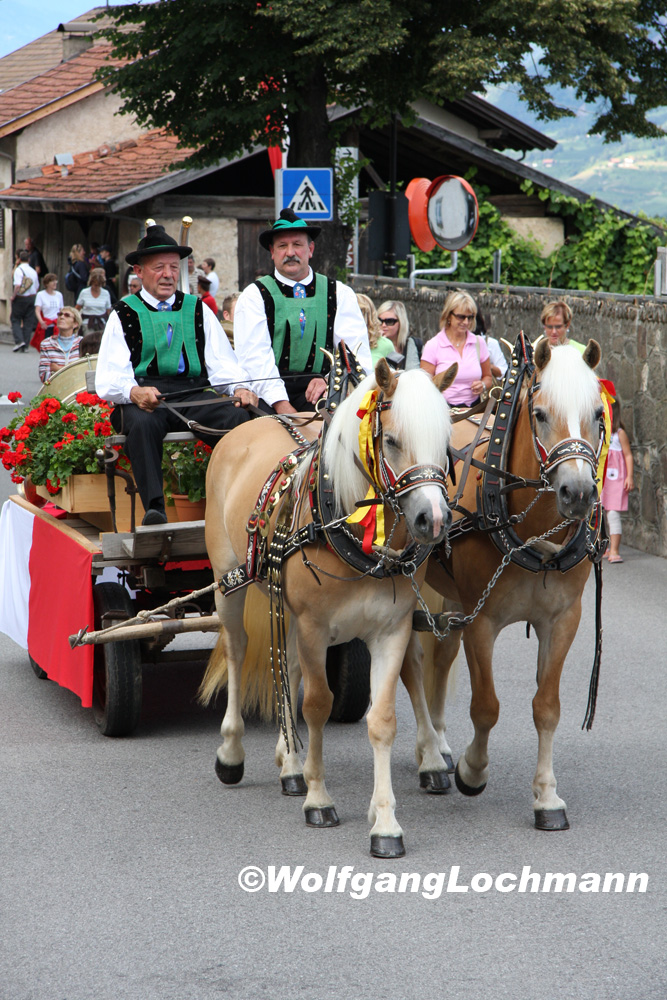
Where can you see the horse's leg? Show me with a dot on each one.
(386, 659)
(444, 657)
(232, 642)
(555, 641)
(472, 769)
(311, 643)
(432, 774)
(287, 755)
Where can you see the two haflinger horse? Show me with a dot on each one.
(521, 550)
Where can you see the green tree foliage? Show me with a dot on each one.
(605, 251)
(226, 75)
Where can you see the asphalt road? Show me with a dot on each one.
(120, 858)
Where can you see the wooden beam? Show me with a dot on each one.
(48, 109)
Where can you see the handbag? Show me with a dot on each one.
(26, 283)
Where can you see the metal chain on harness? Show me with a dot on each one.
(456, 622)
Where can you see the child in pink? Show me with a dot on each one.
(618, 480)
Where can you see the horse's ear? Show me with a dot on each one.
(592, 354)
(385, 378)
(445, 379)
(543, 354)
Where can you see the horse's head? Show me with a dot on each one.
(566, 412)
(401, 446)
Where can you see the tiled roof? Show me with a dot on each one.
(43, 53)
(62, 81)
(102, 175)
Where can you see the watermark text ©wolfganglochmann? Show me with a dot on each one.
(360, 884)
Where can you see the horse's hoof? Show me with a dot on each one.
(387, 847)
(229, 774)
(449, 761)
(326, 816)
(466, 789)
(294, 784)
(435, 782)
(551, 819)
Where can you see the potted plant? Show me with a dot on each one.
(49, 442)
(184, 473)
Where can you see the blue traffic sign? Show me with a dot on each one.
(308, 191)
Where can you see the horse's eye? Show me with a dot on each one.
(540, 416)
(599, 413)
(390, 441)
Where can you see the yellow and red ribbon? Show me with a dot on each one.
(370, 518)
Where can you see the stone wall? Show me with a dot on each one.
(632, 332)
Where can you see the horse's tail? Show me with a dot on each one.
(431, 647)
(257, 691)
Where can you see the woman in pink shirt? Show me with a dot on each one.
(456, 343)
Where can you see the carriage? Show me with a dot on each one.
(104, 626)
(546, 443)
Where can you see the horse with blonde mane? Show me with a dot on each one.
(387, 423)
(526, 529)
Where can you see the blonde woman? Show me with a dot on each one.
(394, 325)
(556, 318)
(380, 346)
(94, 302)
(80, 269)
(455, 342)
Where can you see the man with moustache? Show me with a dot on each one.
(160, 341)
(282, 320)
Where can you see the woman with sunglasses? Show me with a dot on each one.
(61, 348)
(395, 326)
(456, 342)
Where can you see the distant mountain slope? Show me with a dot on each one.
(631, 174)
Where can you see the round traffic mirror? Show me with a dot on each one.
(452, 212)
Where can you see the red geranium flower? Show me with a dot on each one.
(69, 418)
(53, 487)
(21, 433)
(13, 396)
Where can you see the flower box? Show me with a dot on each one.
(86, 496)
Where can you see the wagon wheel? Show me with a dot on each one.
(42, 674)
(349, 678)
(117, 680)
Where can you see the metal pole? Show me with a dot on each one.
(391, 268)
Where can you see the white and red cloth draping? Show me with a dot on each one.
(46, 595)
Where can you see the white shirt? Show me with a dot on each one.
(496, 355)
(89, 305)
(49, 304)
(252, 340)
(29, 272)
(114, 375)
(215, 283)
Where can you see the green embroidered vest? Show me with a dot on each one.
(154, 344)
(287, 326)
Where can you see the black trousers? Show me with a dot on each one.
(296, 386)
(145, 430)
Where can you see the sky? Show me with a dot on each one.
(22, 21)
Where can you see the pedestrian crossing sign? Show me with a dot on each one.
(308, 191)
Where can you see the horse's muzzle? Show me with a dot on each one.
(575, 501)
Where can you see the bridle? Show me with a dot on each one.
(390, 486)
(567, 448)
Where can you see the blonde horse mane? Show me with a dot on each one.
(417, 415)
(568, 386)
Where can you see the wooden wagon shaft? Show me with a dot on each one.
(149, 630)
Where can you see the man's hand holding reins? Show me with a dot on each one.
(316, 388)
(245, 397)
(145, 397)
